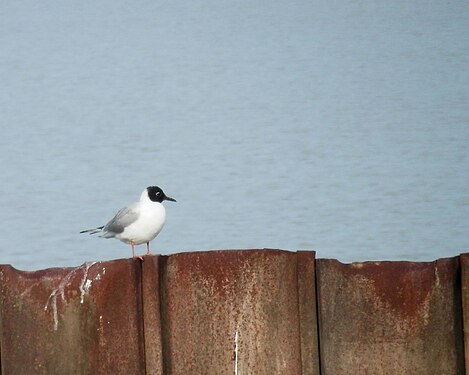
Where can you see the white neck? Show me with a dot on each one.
(144, 196)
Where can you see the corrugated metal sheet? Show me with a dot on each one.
(465, 305)
(390, 318)
(151, 297)
(84, 320)
(236, 312)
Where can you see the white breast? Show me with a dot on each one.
(152, 216)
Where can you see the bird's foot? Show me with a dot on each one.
(148, 249)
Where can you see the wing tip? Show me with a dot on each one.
(93, 231)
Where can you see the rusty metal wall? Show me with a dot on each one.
(465, 305)
(236, 312)
(84, 320)
(390, 318)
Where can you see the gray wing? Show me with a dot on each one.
(118, 223)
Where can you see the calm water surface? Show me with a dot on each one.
(340, 126)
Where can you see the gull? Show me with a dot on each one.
(139, 222)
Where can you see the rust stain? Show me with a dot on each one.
(389, 317)
(307, 310)
(218, 269)
(234, 312)
(404, 287)
(227, 310)
(151, 315)
(71, 320)
(464, 258)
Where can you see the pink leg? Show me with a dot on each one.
(148, 248)
(133, 253)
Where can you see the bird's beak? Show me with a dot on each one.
(170, 199)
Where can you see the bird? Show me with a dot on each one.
(139, 222)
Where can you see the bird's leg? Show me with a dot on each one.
(133, 253)
(148, 248)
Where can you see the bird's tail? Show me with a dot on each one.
(93, 231)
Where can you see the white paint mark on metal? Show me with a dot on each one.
(60, 290)
(85, 284)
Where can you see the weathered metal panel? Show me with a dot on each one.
(235, 312)
(152, 316)
(464, 259)
(307, 310)
(83, 320)
(231, 312)
(390, 318)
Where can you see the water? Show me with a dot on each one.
(340, 126)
